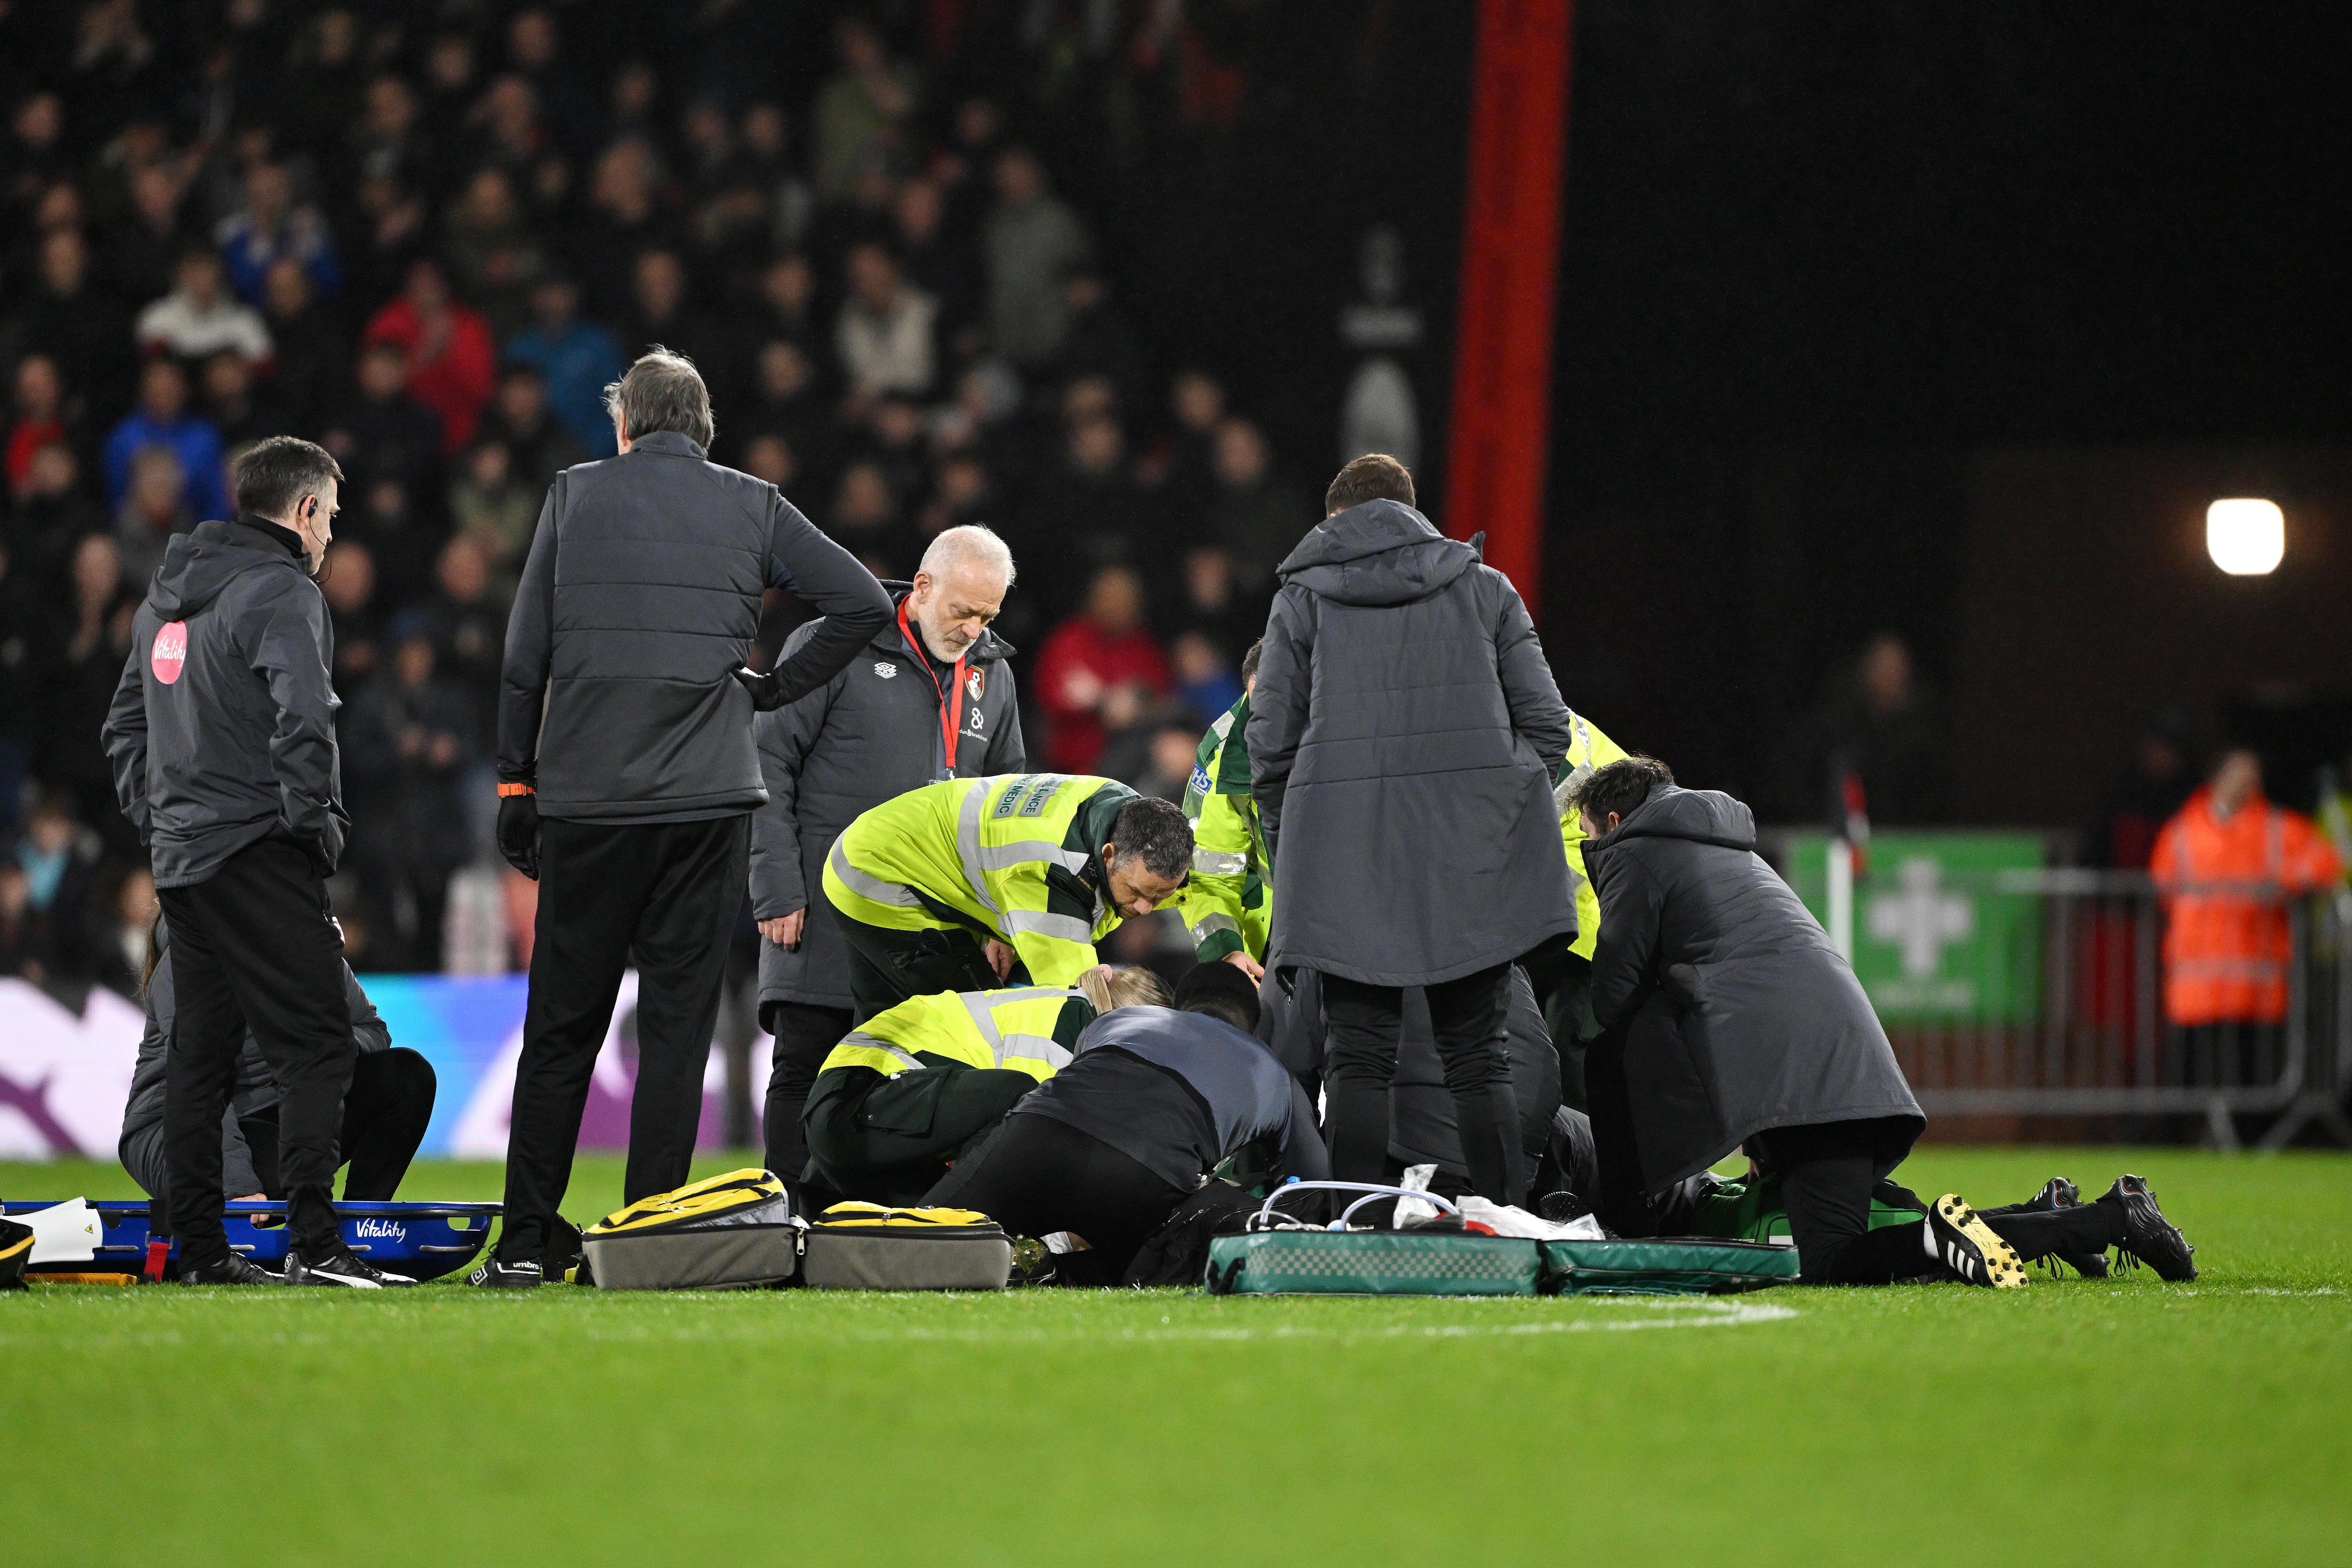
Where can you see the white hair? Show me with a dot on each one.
(968, 544)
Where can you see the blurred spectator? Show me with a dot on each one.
(78, 323)
(147, 241)
(52, 513)
(862, 112)
(83, 655)
(23, 607)
(2229, 866)
(1215, 605)
(1095, 663)
(576, 359)
(349, 581)
(35, 152)
(402, 538)
(1251, 513)
(1207, 680)
(24, 935)
(538, 446)
(122, 962)
(784, 403)
(1881, 730)
(389, 145)
(495, 255)
(1096, 341)
(314, 350)
(885, 336)
(942, 262)
(407, 739)
(1034, 239)
(2144, 797)
(786, 307)
(1087, 513)
(494, 513)
(236, 411)
(771, 457)
(59, 861)
(534, 49)
(385, 433)
(392, 229)
(161, 419)
(469, 627)
(1168, 767)
(662, 313)
(624, 220)
(271, 228)
(38, 416)
(1198, 403)
(199, 316)
(865, 522)
(154, 509)
(765, 167)
(451, 365)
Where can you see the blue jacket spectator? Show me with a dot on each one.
(272, 229)
(576, 358)
(161, 419)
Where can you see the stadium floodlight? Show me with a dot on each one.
(2245, 537)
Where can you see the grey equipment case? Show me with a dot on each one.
(866, 1247)
(731, 1231)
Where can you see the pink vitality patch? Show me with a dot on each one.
(171, 651)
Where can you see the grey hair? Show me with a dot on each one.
(662, 391)
(972, 544)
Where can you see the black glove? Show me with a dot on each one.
(767, 691)
(518, 833)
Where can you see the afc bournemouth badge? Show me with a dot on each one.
(171, 651)
(975, 681)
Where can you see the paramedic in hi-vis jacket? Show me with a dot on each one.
(1229, 899)
(903, 1093)
(975, 883)
(930, 697)
(628, 775)
(1561, 972)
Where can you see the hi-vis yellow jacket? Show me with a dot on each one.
(1017, 858)
(1031, 1029)
(1588, 749)
(1227, 902)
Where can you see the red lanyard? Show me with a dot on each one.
(950, 700)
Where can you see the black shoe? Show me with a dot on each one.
(495, 1274)
(341, 1267)
(2056, 1193)
(2149, 1236)
(1561, 1208)
(237, 1271)
(1969, 1249)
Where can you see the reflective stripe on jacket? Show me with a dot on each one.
(1588, 749)
(1227, 903)
(2227, 886)
(1015, 1029)
(1016, 857)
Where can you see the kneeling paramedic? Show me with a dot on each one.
(899, 1098)
(1229, 899)
(385, 1109)
(1156, 1101)
(1728, 1019)
(969, 884)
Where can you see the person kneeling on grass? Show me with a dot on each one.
(904, 1092)
(1156, 1101)
(1727, 1020)
(385, 1107)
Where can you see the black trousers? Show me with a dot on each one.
(806, 1035)
(255, 947)
(887, 966)
(385, 1112)
(888, 1140)
(1362, 1024)
(665, 896)
(1037, 1174)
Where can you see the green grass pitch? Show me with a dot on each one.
(2122, 1421)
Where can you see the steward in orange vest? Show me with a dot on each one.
(2228, 865)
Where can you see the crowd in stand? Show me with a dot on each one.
(427, 236)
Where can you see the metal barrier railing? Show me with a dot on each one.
(2065, 1013)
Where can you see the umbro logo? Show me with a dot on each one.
(885, 670)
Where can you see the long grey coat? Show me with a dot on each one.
(1402, 738)
(1738, 1014)
(867, 735)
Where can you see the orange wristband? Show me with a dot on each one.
(506, 789)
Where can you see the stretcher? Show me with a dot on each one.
(422, 1240)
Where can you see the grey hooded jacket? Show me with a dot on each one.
(255, 1089)
(870, 734)
(1737, 1013)
(639, 599)
(222, 727)
(1403, 737)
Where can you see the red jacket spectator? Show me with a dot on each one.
(2229, 866)
(452, 367)
(1092, 666)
